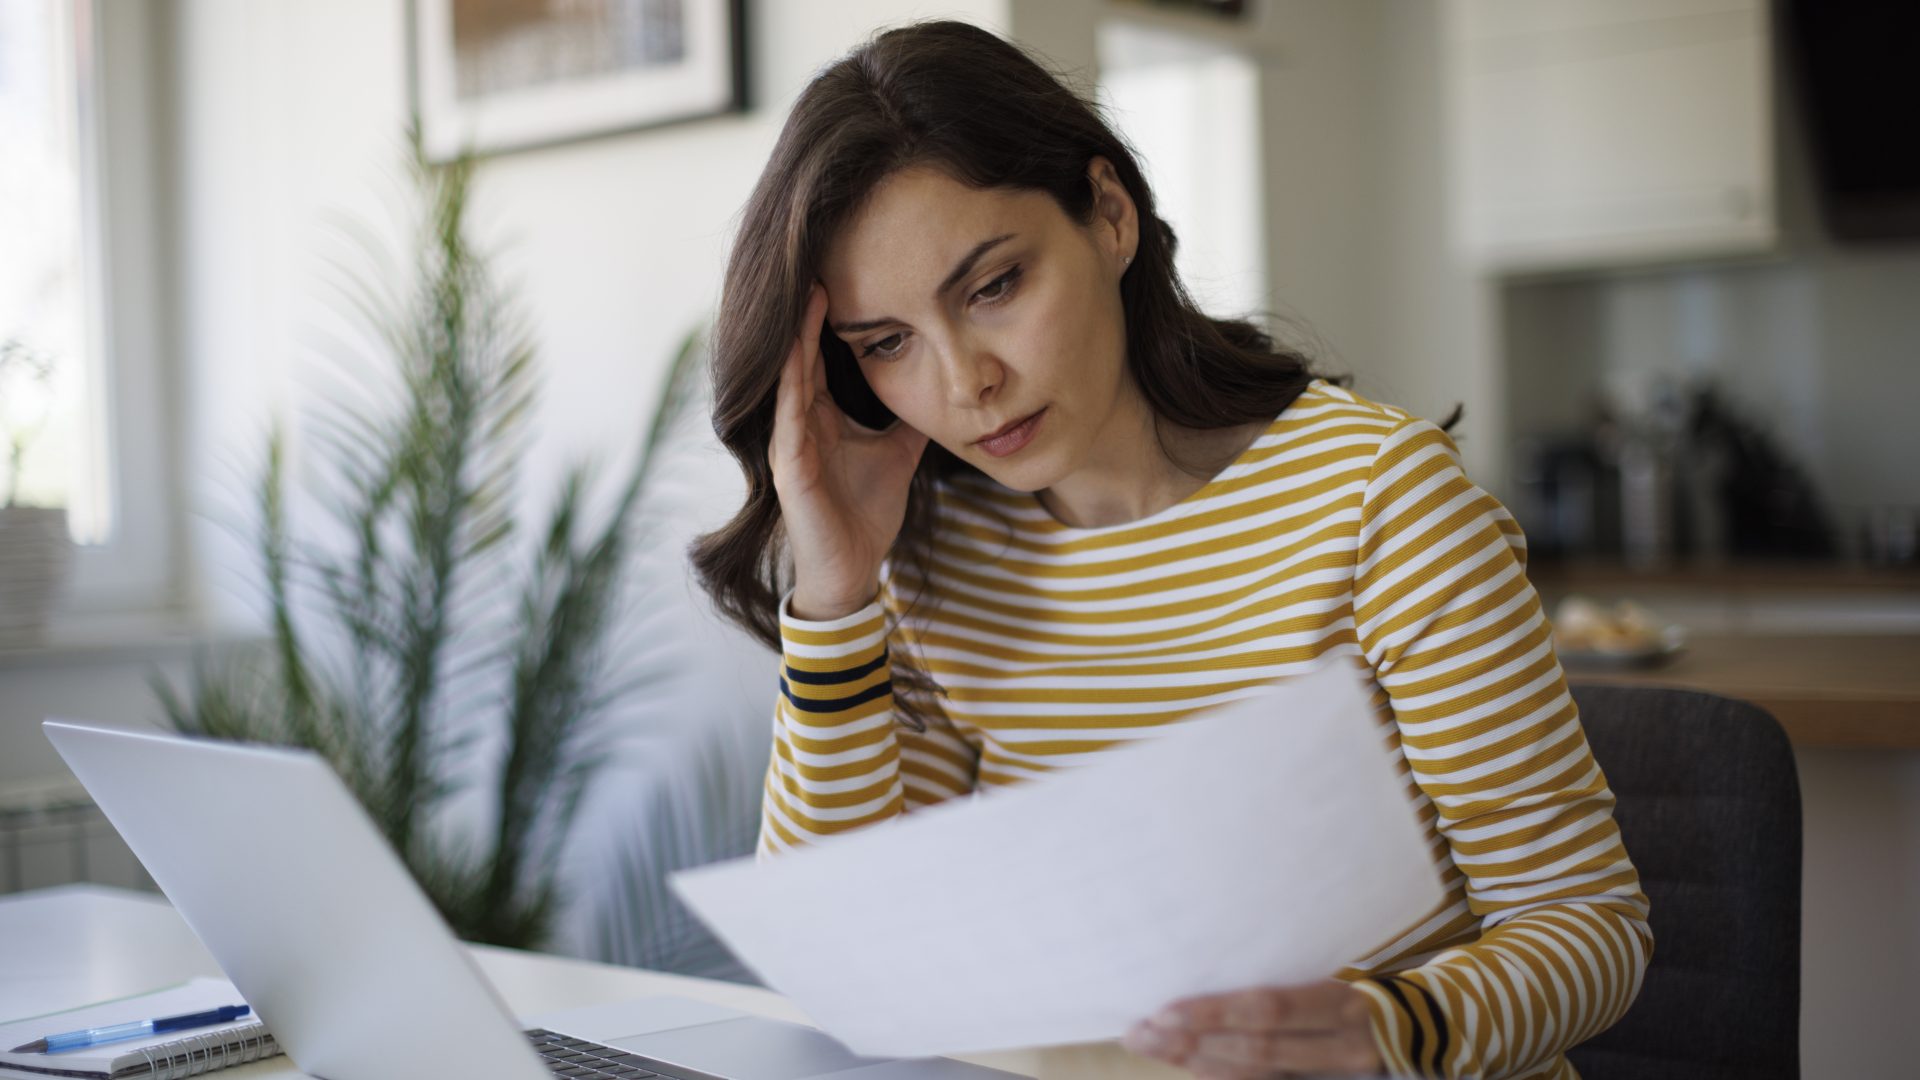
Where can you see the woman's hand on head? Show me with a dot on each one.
(1322, 1028)
(843, 489)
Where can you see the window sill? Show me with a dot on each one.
(145, 637)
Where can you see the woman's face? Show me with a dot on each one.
(972, 310)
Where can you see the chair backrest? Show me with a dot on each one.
(1709, 810)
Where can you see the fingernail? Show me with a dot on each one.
(1143, 1040)
(1168, 1018)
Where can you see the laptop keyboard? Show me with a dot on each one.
(565, 1056)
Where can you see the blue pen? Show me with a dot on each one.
(80, 1040)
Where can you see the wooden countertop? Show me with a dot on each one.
(1859, 691)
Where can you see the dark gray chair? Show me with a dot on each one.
(1709, 809)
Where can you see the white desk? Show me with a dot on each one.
(65, 947)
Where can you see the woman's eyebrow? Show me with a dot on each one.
(960, 270)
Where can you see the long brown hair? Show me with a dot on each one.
(952, 96)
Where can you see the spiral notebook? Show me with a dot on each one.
(162, 1057)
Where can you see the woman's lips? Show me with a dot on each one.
(1014, 438)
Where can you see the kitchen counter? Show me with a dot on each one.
(1859, 691)
(1831, 650)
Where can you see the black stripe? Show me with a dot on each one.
(828, 678)
(877, 690)
(1441, 1037)
(1392, 986)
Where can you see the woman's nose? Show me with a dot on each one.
(974, 374)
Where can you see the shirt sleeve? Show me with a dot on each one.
(840, 759)
(1455, 635)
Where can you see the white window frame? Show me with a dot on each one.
(128, 585)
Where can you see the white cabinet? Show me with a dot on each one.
(1600, 132)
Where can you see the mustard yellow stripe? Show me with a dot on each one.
(1580, 891)
(1389, 1023)
(794, 795)
(1463, 546)
(1433, 460)
(1568, 817)
(822, 747)
(1303, 653)
(1053, 722)
(1550, 690)
(1567, 780)
(831, 664)
(1395, 494)
(769, 822)
(1158, 531)
(1502, 777)
(1603, 859)
(1579, 991)
(1519, 642)
(1483, 629)
(930, 777)
(1454, 1001)
(1243, 624)
(821, 774)
(1037, 580)
(1031, 619)
(952, 749)
(817, 827)
(1350, 425)
(1105, 695)
(1515, 739)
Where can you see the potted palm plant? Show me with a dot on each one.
(36, 552)
(415, 643)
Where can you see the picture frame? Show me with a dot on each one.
(497, 76)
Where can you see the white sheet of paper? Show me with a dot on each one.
(1266, 842)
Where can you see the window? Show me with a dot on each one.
(1192, 111)
(48, 414)
(80, 297)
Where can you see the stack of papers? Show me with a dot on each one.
(1268, 842)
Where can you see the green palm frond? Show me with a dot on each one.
(390, 654)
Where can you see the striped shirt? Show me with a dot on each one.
(1347, 529)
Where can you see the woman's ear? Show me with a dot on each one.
(1114, 217)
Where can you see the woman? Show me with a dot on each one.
(1096, 510)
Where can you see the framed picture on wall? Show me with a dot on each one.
(500, 75)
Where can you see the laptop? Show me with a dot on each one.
(291, 887)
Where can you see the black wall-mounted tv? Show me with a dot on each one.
(1856, 69)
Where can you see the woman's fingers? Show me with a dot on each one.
(1315, 1007)
(789, 411)
(795, 395)
(812, 365)
(1322, 1027)
(1259, 1055)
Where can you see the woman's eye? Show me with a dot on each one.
(999, 288)
(993, 292)
(877, 348)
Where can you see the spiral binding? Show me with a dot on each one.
(212, 1050)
